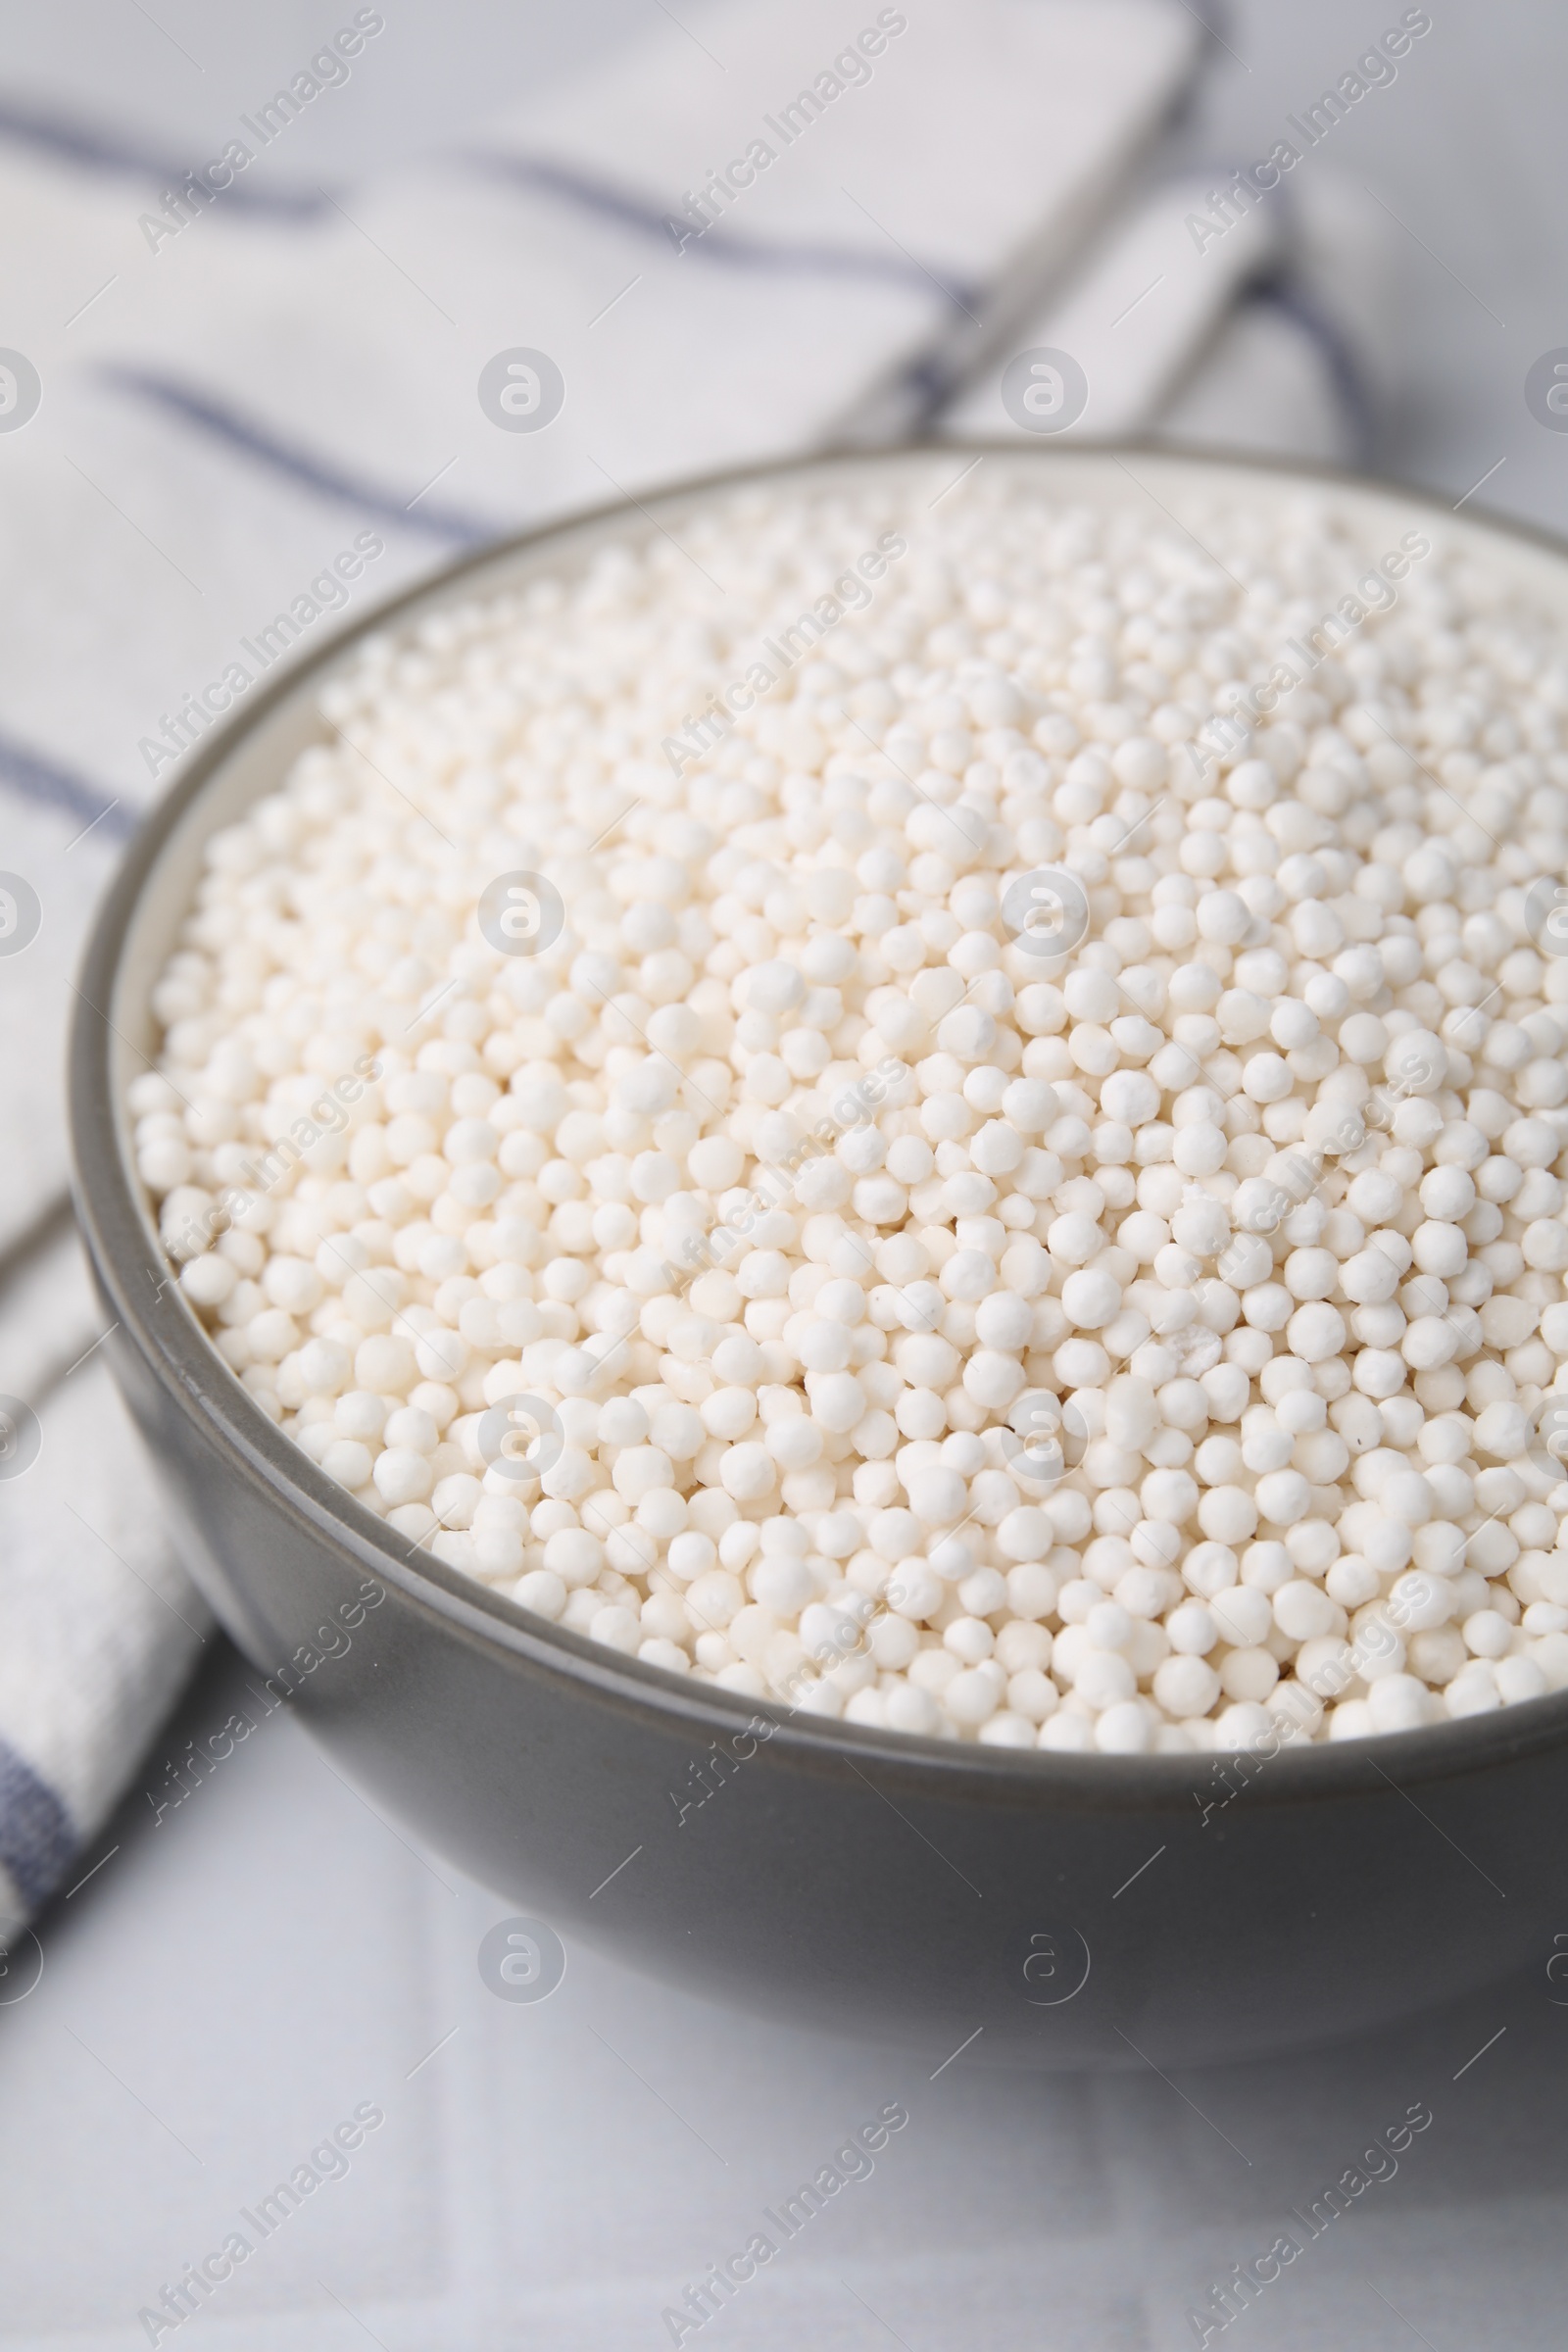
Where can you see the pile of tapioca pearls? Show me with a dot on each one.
(1319, 1475)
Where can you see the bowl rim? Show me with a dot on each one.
(170, 1341)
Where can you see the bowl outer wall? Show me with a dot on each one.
(911, 1889)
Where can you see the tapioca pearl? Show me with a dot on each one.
(1283, 1497)
(1241, 1725)
(1400, 1703)
(1006, 1729)
(1186, 1685)
(1091, 1298)
(1228, 1513)
(1192, 1629)
(384, 1364)
(934, 1670)
(617, 1627)
(909, 1708)
(360, 1415)
(1520, 1679)
(1473, 1691)
(349, 1462)
(1126, 1729)
(1067, 1732)
(1102, 1678)
(1404, 1495)
(409, 1425)
(1074, 1239)
(1208, 1569)
(402, 1475)
(1352, 1579)
(1265, 1566)
(1487, 1634)
(1248, 1673)
(270, 1336)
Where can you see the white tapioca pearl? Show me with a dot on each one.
(384, 1364)
(1104, 1678)
(617, 1628)
(1242, 1613)
(1193, 1628)
(1406, 1496)
(970, 1640)
(1369, 1277)
(1520, 1679)
(993, 1379)
(1399, 1702)
(1091, 1297)
(410, 1426)
(968, 1275)
(1267, 1078)
(1108, 1626)
(401, 1474)
(1428, 1343)
(1473, 1691)
(1501, 1430)
(1544, 1245)
(1200, 1148)
(347, 1461)
(969, 1032)
(1170, 1496)
(1126, 1729)
(1244, 1726)
(1311, 1273)
(912, 1709)
(1438, 1249)
(1131, 1411)
(836, 1400)
(938, 1496)
(748, 1472)
(1074, 1240)
(1447, 1192)
(823, 1347)
(1003, 1320)
(1223, 916)
(1487, 1634)
(973, 1697)
(1416, 1062)
(1303, 1611)
(1029, 1105)
(1315, 1331)
(1248, 1675)
(1283, 1497)
(1186, 1685)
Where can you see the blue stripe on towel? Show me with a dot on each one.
(38, 1837)
(1276, 286)
(718, 244)
(1283, 294)
(97, 151)
(30, 778)
(301, 465)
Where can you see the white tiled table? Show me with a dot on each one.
(238, 1979)
(233, 1981)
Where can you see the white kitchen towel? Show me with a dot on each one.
(1271, 334)
(778, 227)
(99, 1627)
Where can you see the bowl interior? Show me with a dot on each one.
(249, 756)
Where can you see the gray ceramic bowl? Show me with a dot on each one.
(1064, 1910)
